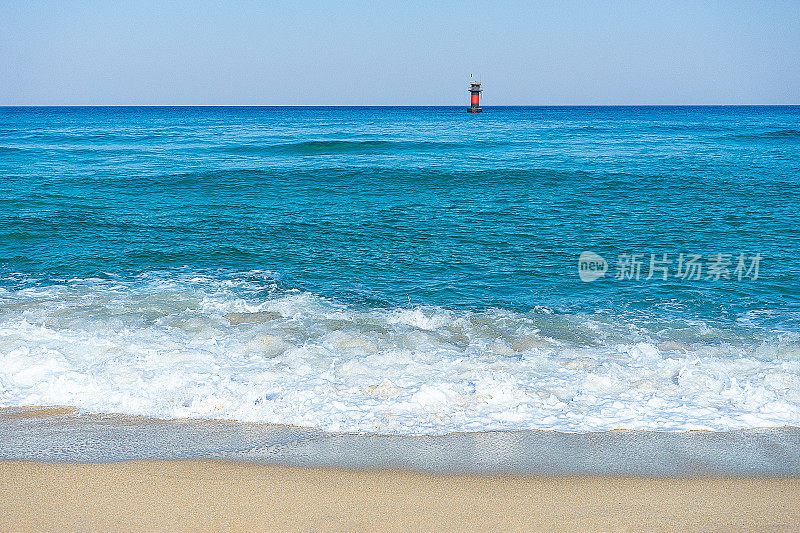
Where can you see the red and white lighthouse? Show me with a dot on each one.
(475, 96)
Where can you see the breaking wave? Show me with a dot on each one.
(240, 346)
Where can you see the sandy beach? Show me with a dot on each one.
(212, 495)
(67, 471)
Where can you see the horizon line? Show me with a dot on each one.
(396, 105)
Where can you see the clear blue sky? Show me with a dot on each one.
(399, 52)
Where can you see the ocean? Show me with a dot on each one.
(404, 270)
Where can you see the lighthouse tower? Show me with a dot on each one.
(475, 95)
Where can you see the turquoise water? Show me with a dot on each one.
(245, 257)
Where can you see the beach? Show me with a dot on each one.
(212, 495)
(420, 266)
(390, 318)
(67, 471)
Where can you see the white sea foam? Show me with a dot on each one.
(236, 348)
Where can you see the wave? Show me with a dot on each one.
(11, 150)
(781, 134)
(243, 346)
(340, 147)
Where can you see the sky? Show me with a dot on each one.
(200, 52)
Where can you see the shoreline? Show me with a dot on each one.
(60, 435)
(213, 495)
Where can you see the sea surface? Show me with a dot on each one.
(404, 271)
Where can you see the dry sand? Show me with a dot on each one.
(212, 495)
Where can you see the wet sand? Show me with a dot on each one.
(214, 495)
(65, 471)
(54, 434)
